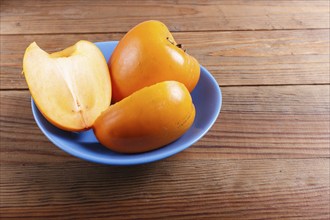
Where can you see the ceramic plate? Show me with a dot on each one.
(207, 99)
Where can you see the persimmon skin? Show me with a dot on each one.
(146, 120)
(146, 55)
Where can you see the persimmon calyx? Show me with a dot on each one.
(178, 45)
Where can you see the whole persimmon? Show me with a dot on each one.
(146, 120)
(146, 55)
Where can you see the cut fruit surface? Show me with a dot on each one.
(70, 87)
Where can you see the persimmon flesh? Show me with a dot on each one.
(71, 87)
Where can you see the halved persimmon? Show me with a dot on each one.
(71, 87)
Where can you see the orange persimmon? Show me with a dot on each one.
(70, 87)
(146, 55)
(148, 119)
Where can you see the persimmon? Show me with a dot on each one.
(146, 55)
(147, 119)
(70, 87)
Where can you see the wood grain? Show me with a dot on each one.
(255, 122)
(39, 17)
(234, 58)
(266, 157)
(194, 189)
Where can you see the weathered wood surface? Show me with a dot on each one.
(39, 17)
(255, 122)
(234, 58)
(266, 157)
(182, 189)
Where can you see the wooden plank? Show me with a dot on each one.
(218, 189)
(39, 17)
(13, 48)
(255, 122)
(234, 58)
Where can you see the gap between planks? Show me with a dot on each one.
(221, 86)
(172, 31)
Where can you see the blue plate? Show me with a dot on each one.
(206, 97)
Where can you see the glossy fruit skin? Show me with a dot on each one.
(146, 55)
(146, 120)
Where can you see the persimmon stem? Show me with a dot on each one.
(178, 45)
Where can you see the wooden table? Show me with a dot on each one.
(266, 157)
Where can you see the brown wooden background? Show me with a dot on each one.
(266, 157)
